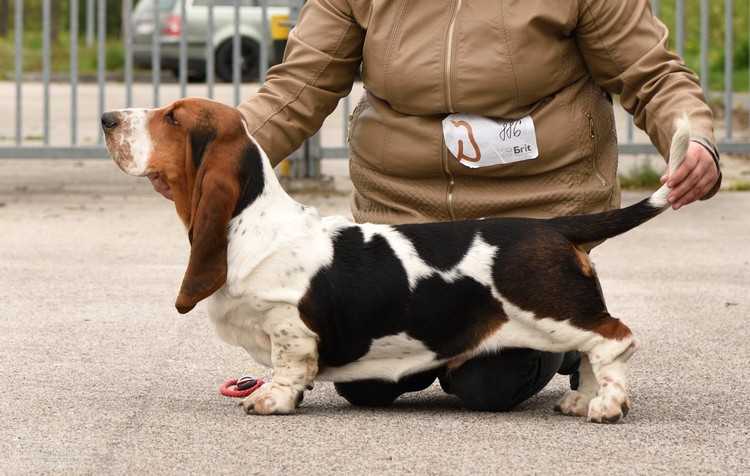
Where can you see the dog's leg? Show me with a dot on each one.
(609, 365)
(294, 356)
(576, 402)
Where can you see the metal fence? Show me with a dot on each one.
(308, 158)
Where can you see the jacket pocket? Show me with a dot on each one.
(594, 138)
(354, 116)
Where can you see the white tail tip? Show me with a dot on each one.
(680, 142)
(677, 152)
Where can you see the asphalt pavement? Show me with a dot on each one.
(99, 374)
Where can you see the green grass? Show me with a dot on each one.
(643, 176)
(740, 80)
(740, 186)
(32, 55)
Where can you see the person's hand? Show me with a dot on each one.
(160, 185)
(693, 179)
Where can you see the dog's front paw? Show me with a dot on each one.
(608, 409)
(271, 399)
(574, 403)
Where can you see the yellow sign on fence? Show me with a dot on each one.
(279, 27)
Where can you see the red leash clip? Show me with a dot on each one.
(241, 388)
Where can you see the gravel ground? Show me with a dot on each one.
(101, 375)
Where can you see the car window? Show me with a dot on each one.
(148, 5)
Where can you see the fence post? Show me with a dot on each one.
(127, 31)
(236, 54)
(294, 8)
(264, 40)
(728, 67)
(183, 60)
(314, 154)
(155, 56)
(307, 163)
(705, 13)
(101, 60)
(46, 67)
(680, 27)
(210, 67)
(18, 33)
(73, 72)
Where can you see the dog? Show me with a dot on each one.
(324, 298)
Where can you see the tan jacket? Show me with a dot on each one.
(423, 59)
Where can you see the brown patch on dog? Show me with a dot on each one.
(482, 330)
(584, 262)
(171, 129)
(611, 328)
(306, 308)
(205, 189)
(485, 328)
(550, 276)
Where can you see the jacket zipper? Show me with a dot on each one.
(449, 57)
(595, 148)
(449, 103)
(451, 184)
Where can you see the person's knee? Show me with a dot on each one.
(379, 393)
(368, 393)
(500, 382)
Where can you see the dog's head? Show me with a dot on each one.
(201, 151)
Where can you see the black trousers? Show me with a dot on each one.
(496, 382)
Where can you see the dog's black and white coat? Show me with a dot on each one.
(324, 298)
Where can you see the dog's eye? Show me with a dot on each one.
(170, 118)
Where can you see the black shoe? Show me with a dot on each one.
(575, 380)
(571, 362)
(368, 393)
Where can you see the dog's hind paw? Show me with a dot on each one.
(574, 403)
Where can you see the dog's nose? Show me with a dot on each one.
(110, 120)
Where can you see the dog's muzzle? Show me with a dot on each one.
(127, 138)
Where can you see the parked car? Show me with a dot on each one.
(170, 26)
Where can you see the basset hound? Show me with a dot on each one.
(325, 298)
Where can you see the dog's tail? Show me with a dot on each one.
(600, 226)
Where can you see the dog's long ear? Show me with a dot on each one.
(229, 178)
(214, 199)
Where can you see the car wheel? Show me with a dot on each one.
(193, 75)
(249, 69)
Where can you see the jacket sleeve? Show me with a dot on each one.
(625, 48)
(322, 57)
